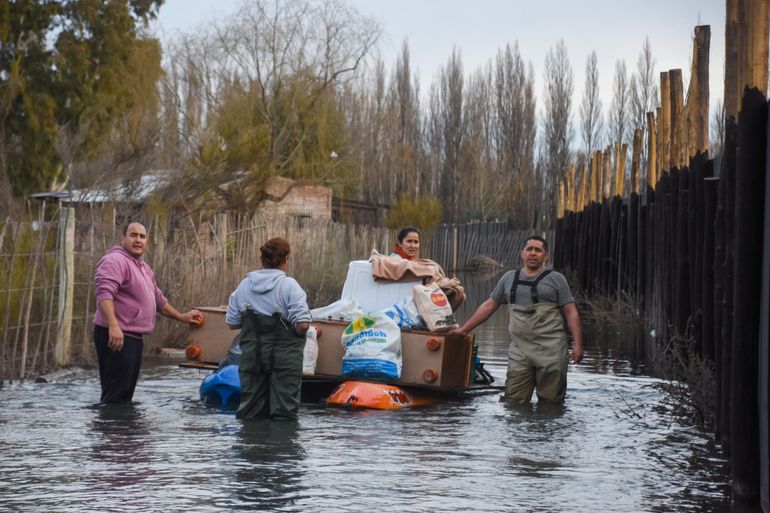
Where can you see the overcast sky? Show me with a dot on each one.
(615, 29)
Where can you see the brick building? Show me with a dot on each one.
(293, 198)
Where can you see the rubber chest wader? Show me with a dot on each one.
(537, 356)
(271, 367)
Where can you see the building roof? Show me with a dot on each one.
(131, 192)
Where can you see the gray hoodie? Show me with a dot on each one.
(265, 292)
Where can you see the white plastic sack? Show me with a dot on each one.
(346, 309)
(310, 354)
(405, 314)
(434, 307)
(372, 345)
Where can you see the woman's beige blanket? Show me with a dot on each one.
(398, 269)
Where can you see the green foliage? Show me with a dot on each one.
(242, 150)
(319, 149)
(79, 65)
(424, 212)
(233, 160)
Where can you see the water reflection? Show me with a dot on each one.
(615, 444)
(540, 411)
(121, 457)
(617, 348)
(269, 472)
(478, 287)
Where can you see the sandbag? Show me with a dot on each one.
(372, 345)
(346, 309)
(310, 353)
(405, 314)
(434, 307)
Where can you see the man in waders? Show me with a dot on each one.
(537, 298)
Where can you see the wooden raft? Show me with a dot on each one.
(431, 360)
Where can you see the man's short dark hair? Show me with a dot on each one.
(125, 228)
(538, 238)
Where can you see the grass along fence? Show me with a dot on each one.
(48, 256)
(46, 291)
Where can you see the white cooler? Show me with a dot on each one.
(373, 295)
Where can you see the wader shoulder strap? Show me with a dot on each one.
(512, 293)
(279, 300)
(532, 286)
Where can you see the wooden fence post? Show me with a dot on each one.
(66, 259)
(620, 168)
(664, 125)
(652, 151)
(454, 248)
(750, 176)
(749, 192)
(636, 157)
(605, 161)
(733, 69)
(582, 201)
(698, 93)
(764, 355)
(676, 145)
(595, 177)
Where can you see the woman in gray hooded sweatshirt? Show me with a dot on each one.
(271, 311)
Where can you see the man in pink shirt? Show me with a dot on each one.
(127, 299)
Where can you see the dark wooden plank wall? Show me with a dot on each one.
(689, 255)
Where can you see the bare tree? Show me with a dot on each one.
(515, 131)
(717, 142)
(252, 90)
(451, 88)
(644, 95)
(591, 108)
(190, 90)
(444, 130)
(644, 87)
(404, 151)
(433, 129)
(619, 108)
(478, 189)
(268, 43)
(557, 125)
(371, 138)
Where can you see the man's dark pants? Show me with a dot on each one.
(118, 370)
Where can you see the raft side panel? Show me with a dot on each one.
(442, 363)
(214, 338)
(450, 362)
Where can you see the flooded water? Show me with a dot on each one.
(613, 446)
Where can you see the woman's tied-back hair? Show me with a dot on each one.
(406, 231)
(274, 252)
